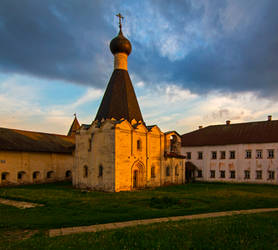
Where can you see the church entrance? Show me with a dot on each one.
(135, 179)
(137, 173)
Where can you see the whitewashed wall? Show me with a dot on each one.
(239, 164)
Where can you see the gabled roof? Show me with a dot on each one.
(28, 141)
(239, 133)
(74, 127)
(119, 100)
(172, 131)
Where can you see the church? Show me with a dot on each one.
(118, 151)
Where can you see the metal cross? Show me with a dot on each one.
(120, 19)
(74, 115)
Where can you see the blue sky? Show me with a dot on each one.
(193, 62)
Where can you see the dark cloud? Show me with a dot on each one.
(201, 45)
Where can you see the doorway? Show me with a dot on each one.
(135, 179)
(190, 171)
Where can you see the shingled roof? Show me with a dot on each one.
(74, 127)
(239, 133)
(119, 100)
(28, 141)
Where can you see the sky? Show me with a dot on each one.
(192, 63)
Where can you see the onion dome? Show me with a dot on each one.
(120, 44)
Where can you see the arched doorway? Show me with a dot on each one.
(137, 175)
(190, 171)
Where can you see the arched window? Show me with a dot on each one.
(153, 172)
(36, 175)
(139, 145)
(85, 171)
(176, 171)
(100, 170)
(5, 176)
(20, 175)
(167, 171)
(50, 175)
(68, 174)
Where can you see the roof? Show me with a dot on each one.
(239, 133)
(173, 155)
(28, 141)
(172, 131)
(74, 127)
(119, 100)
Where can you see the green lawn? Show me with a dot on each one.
(65, 206)
(258, 231)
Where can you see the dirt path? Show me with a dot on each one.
(19, 204)
(116, 225)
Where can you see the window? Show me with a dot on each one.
(213, 155)
(36, 175)
(246, 174)
(212, 173)
(232, 174)
(50, 174)
(139, 145)
(259, 154)
(223, 154)
(270, 153)
(271, 175)
(20, 175)
(168, 171)
(222, 174)
(200, 155)
(153, 172)
(4, 176)
(89, 145)
(176, 171)
(68, 174)
(100, 171)
(188, 155)
(200, 173)
(259, 174)
(248, 154)
(232, 154)
(85, 171)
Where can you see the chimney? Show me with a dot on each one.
(200, 127)
(228, 122)
(269, 117)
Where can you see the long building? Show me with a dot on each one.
(242, 152)
(28, 157)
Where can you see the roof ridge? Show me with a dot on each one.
(29, 131)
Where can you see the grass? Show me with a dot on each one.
(237, 232)
(65, 206)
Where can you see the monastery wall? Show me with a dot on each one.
(31, 167)
(237, 169)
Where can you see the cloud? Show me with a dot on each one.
(228, 45)
(90, 95)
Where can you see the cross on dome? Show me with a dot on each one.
(120, 20)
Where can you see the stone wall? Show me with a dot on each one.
(95, 150)
(29, 167)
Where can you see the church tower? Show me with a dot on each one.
(118, 152)
(119, 100)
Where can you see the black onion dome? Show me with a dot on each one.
(120, 44)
